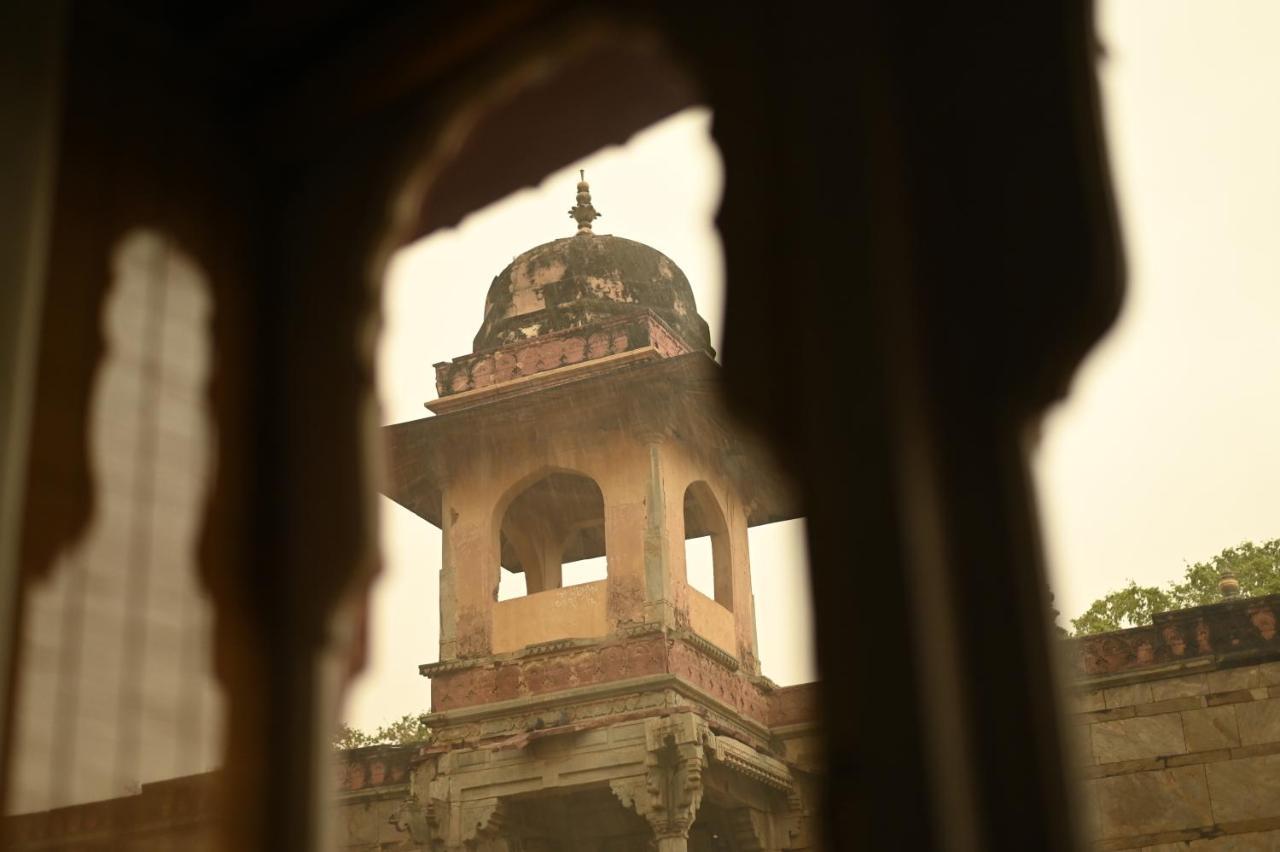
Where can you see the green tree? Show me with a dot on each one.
(403, 731)
(1256, 567)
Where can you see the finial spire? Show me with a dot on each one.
(583, 212)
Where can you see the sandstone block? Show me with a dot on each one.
(1227, 680)
(1103, 715)
(1168, 705)
(1245, 789)
(1195, 757)
(1153, 802)
(1085, 702)
(1255, 750)
(1178, 687)
(1234, 697)
(1078, 745)
(1252, 841)
(388, 834)
(359, 822)
(1139, 737)
(1259, 721)
(1270, 674)
(1211, 728)
(1125, 696)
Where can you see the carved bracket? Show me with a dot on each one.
(420, 820)
(483, 822)
(670, 791)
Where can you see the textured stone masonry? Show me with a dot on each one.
(1177, 731)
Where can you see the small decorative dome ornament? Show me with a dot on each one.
(1228, 585)
(583, 212)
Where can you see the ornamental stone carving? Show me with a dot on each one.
(670, 791)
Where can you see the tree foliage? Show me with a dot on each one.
(1256, 567)
(403, 731)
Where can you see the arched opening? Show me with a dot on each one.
(706, 545)
(552, 536)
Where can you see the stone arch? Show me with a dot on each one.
(549, 519)
(704, 517)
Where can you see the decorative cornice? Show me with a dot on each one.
(763, 683)
(458, 665)
(708, 649)
(447, 666)
(745, 760)
(554, 646)
(533, 382)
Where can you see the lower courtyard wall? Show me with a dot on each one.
(1176, 731)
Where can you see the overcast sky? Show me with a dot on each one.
(1168, 449)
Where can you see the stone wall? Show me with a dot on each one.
(1178, 728)
(372, 784)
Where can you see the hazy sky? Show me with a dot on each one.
(1167, 450)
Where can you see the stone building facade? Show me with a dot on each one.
(1178, 730)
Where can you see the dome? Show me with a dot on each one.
(582, 280)
(586, 279)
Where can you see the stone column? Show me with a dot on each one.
(659, 596)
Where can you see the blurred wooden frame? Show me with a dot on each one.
(890, 185)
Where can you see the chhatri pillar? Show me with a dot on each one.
(585, 423)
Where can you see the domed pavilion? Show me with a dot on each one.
(629, 711)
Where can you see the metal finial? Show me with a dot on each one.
(583, 212)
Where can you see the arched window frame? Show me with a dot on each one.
(547, 577)
(703, 514)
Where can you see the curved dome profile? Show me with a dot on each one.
(584, 279)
